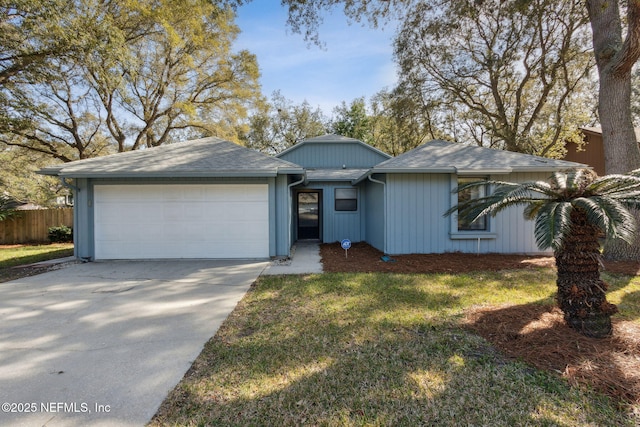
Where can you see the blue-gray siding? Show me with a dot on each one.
(374, 215)
(333, 155)
(415, 204)
(338, 225)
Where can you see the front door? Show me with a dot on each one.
(309, 214)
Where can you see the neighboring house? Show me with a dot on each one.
(592, 151)
(210, 198)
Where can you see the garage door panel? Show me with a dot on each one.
(181, 221)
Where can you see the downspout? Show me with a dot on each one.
(67, 185)
(289, 187)
(384, 209)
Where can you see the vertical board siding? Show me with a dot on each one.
(337, 226)
(340, 225)
(333, 155)
(33, 226)
(374, 214)
(415, 224)
(281, 220)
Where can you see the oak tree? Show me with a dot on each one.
(155, 72)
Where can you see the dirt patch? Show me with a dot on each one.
(13, 273)
(536, 334)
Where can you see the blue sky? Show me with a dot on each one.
(356, 60)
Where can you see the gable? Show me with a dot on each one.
(333, 152)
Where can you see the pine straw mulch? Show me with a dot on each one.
(533, 333)
(538, 335)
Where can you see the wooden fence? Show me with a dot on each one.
(33, 226)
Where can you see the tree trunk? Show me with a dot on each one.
(615, 60)
(581, 292)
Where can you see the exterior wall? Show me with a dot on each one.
(415, 204)
(374, 214)
(336, 225)
(333, 155)
(84, 210)
(592, 153)
(280, 215)
(83, 219)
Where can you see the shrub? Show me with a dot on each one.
(60, 234)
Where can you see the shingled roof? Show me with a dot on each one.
(207, 157)
(447, 157)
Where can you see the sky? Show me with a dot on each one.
(356, 60)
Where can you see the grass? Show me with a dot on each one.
(14, 255)
(381, 349)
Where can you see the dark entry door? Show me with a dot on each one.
(309, 215)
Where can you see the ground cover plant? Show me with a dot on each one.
(15, 259)
(385, 349)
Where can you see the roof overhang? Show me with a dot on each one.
(168, 174)
(461, 171)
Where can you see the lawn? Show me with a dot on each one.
(20, 255)
(360, 349)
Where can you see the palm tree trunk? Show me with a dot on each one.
(581, 292)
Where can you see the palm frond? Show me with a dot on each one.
(552, 224)
(531, 210)
(504, 195)
(558, 180)
(574, 178)
(609, 215)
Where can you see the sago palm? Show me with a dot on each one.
(573, 211)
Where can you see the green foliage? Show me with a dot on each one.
(31, 36)
(138, 74)
(352, 121)
(60, 234)
(7, 208)
(27, 254)
(280, 123)
(19, 180)
(606, 202)
(511, 72)
(506, 74)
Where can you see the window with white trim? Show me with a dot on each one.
(482, 223)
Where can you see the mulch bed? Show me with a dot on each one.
(363, 258)
(533, 333)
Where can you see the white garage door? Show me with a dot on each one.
(181, 221)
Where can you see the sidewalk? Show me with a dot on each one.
(305, 259)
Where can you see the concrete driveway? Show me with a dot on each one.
(103, 343)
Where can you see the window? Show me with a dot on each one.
(346, 199)
(481, 223)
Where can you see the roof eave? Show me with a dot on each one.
(484, 171)
(414, 170)
(291, 171)
(49, 171)
(244, 174)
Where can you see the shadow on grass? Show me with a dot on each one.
(32, 258)
(538, 335)
(364, 350)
